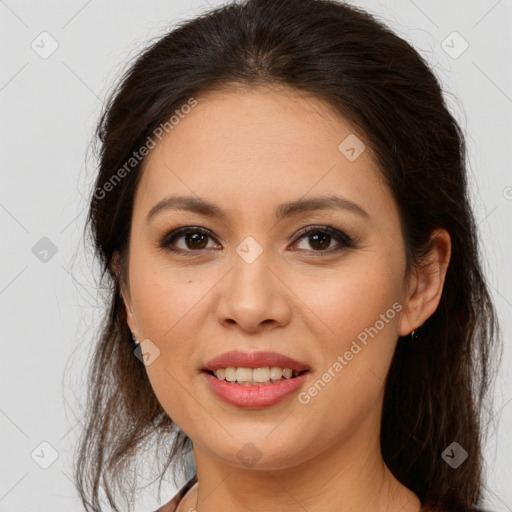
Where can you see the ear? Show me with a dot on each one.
(130, 317)
(426, 286)
(115, 266)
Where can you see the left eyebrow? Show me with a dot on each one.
(319, 203)
(209, 209)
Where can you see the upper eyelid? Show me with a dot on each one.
(179, 232)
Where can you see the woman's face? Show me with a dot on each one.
(255, 283)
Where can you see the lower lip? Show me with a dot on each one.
(254, 396)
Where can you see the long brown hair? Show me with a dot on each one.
(437, 386)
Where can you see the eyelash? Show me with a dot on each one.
(344, 240)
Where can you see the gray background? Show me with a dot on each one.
(49, 303)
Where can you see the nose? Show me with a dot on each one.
(254, 297)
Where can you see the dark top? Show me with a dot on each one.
(172, 505)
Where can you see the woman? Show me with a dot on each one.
(296, 291)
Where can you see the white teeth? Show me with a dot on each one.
(242, 374)
(275, 372)
(256, 376)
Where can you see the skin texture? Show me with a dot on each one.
(249, 151)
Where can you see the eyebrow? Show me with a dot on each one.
(209, 209)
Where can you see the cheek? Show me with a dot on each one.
(346, 302)
(356, 353)
(166, 313)
(355, 316)
(164, 298)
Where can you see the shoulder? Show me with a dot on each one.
(170, 506)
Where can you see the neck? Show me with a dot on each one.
(351, 475)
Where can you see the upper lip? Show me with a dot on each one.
(262, 359)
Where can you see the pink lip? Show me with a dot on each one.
(254, 396)
(261, 359)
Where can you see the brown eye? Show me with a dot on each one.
(195, 239)
(320, 238)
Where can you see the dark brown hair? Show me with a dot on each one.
(436, 387)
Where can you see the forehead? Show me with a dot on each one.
(251, 149)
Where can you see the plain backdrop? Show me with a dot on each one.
(50, 308)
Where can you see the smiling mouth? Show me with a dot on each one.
(265, 377)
